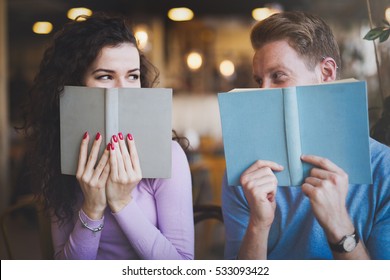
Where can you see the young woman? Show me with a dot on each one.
(107, 211)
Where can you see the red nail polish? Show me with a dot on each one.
(129, 136)
(85, 135)
(97, 136)
(120, 135)
(108, 146)
(112, 146)
(115, 139)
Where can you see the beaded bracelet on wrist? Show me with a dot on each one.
(85, 224)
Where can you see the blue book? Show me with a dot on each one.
(328, 120)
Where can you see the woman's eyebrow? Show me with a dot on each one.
(112, 71)
(103, 70)
(133, 70)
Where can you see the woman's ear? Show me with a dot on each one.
(328, 69)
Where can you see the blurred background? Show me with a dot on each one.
(202, 51)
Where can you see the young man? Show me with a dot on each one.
(325, 218)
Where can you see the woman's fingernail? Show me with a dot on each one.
(108, 146)
(112, 147)
(115, 139)
(120, 135)
(85, 135)
(97, 136)
(129, 136)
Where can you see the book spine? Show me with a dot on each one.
(111, 113)
(293, 138)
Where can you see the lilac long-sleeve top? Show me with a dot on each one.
(156, 224)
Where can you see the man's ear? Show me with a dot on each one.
(328, 69)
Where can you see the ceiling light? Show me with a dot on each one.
(180, 14)
(74, 13)
(269, 9)
(42, 27)
(142, 38)
(387, 14)
(261, 13)
(226, 68)
(194, 60)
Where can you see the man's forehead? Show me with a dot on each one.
(276, 51)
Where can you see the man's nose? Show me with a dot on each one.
(265, 84)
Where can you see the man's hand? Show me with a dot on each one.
(327, 188)
(259, 184)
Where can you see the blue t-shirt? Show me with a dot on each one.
(296, 233)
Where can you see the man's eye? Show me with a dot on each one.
(278, 76)
(258, 81)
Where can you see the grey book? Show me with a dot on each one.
(146, 113)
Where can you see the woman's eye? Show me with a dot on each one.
(134, 77)
(104, 77)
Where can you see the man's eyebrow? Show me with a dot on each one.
(279, 67)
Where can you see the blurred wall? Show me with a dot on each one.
(4, 189)
(195, 108)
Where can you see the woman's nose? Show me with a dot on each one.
(119, 83)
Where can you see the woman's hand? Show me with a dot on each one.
(260, 184)
(327, 188)
(125, 172)
(93, 180)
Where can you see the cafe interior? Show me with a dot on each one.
(201, 48)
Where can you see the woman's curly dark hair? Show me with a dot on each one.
(65, 62)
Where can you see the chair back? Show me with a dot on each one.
(33, 211)
(209, 231)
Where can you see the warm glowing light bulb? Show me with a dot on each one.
(142, 38)
(262, 13)
(387, 14)
(42, 27)
(74, 13)
(194, 60)
(226, 68)
(180, 14)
